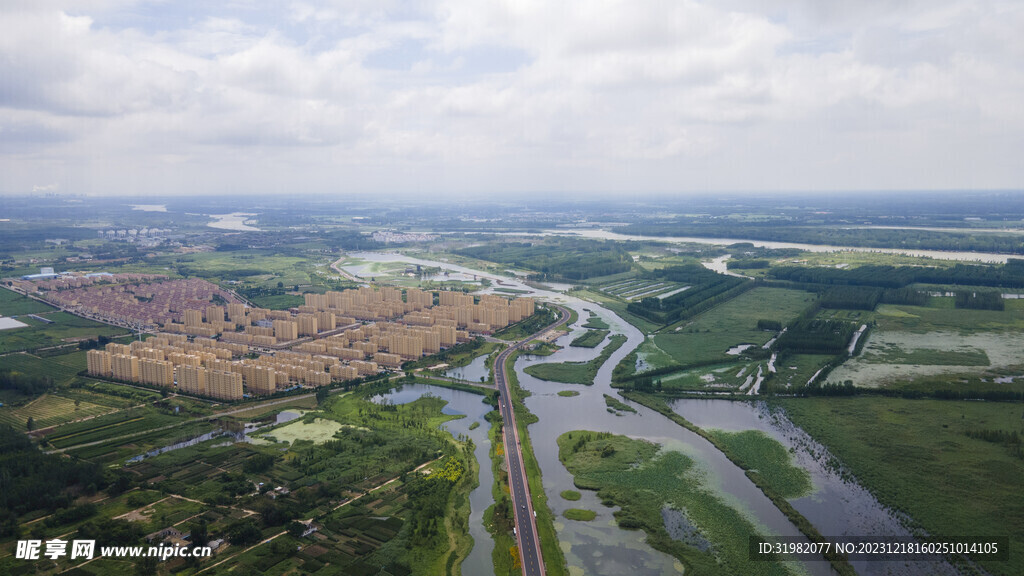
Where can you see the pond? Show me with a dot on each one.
(242, 435)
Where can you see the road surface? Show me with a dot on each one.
(526, 523)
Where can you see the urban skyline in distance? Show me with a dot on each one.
(459, 99)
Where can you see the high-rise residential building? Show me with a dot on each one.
(214, 314)
(224, 385)
(260, 380)
(307, 325)
(193, 317)
(156, 372)
(97, 362)
(191, 379)
(124, 367)
(286, 330)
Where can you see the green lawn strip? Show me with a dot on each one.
(839, 563)
(764, 455)
(616, 405)
(595, 322)
(915, 456)
(579, 514)
(643, 480)
(576, 372)
(589, 339)
(497, 517)
(568, 393)
(574, 317)
(554, 559)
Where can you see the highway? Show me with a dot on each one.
(526, 523)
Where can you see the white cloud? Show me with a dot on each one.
(601, 95)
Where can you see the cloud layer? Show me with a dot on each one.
(487, 98)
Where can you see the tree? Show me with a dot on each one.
(295, 529)
(244, 532)
(280, 284)
(30, 424)
(321, 396)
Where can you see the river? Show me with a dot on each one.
(599, 547)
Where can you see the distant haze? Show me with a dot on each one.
(470, 98)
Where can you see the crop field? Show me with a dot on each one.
(637, 289)
(643, 479)
(14, 304)
(917, 457)
(63, 369)
(109, 427)
(50, 410)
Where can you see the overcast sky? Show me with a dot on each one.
(468, 97)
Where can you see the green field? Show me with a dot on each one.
(63, 369)
(14, 304)
(65, 328)
(643, 480)
(571, 495)
(579, 514)
(50, 410)
(595, 322)
(916, 457)
(590, 339)
(568, 393)
(753, 450)
(576, 372)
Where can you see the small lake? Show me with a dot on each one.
(473, 371)
(243, 435)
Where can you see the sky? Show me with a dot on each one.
(494, 98)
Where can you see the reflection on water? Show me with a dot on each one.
(473, 407)
(679, 527)
(237, 435)
(475, 371)
(838, 506)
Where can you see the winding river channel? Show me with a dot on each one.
(837, 507)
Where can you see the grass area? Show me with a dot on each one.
(278, 301)
(920, 319)
(14, 304)
(615, 405)
(571, 495)
(63, 328)
(63, 369)
(568, 393)
(743, 312)
(797, 369)
(892, 354)
(590, 339)
(642, 479)
(755, 451)
(915, 456)
(709, 337)
(596, 323)
(576, 372)
(579, 514)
